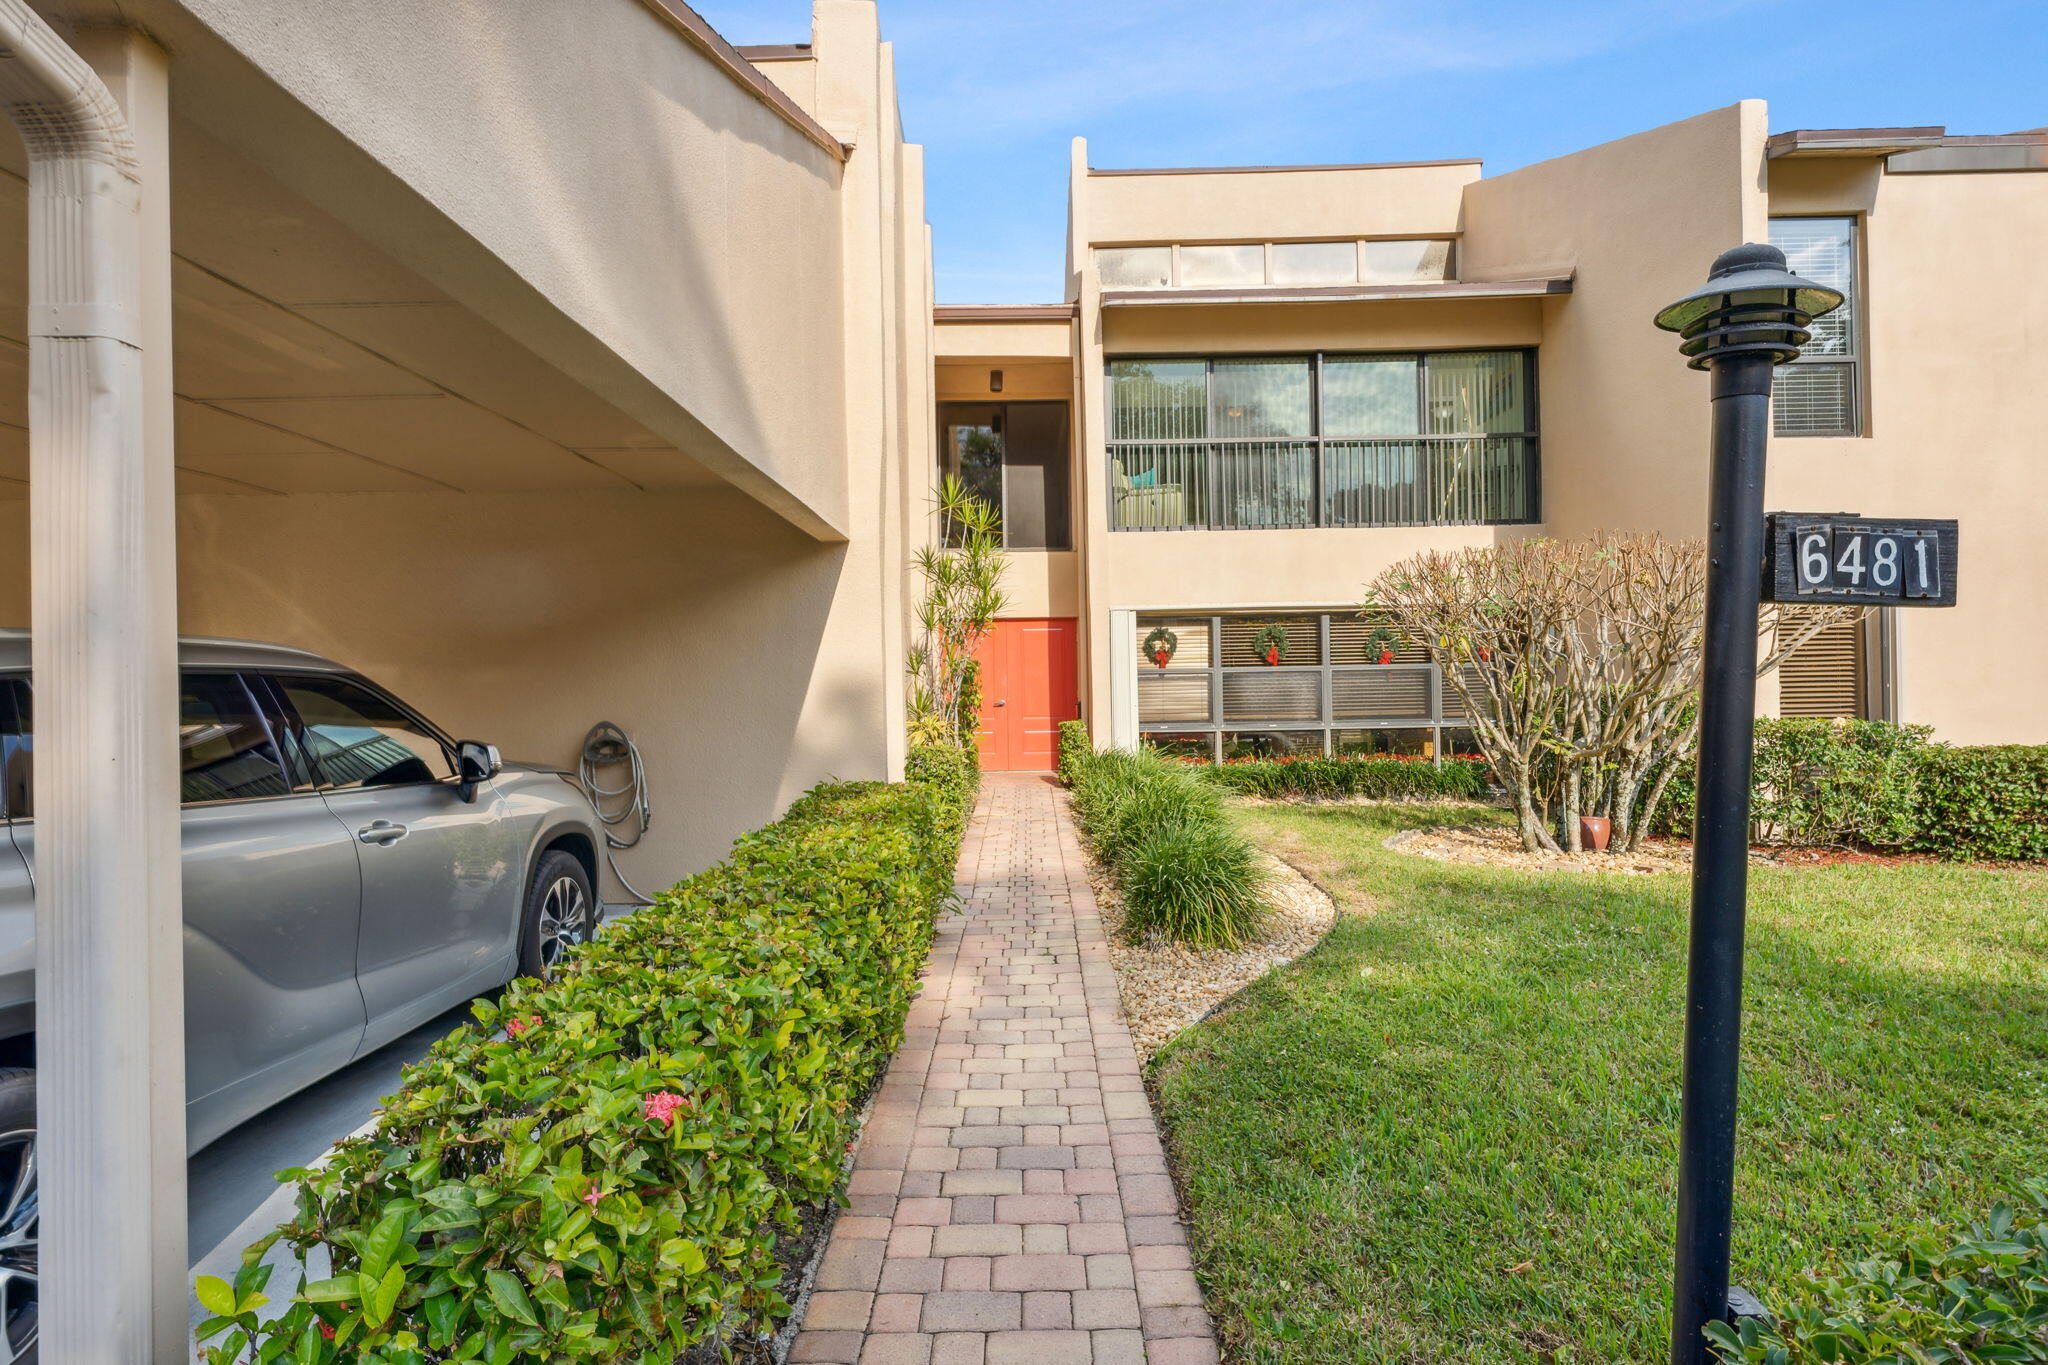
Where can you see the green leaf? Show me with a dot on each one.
(510, 1296)
(214, 1295)
(383, 1297)
(383, 1243)
(336, 1290)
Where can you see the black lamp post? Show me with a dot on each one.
(1751, 315)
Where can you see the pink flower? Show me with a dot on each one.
(515, 1027)
(326, 1331)
(591, 1196)
(661, 1106)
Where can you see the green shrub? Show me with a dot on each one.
(1074, 746)
(1824, 782)
(601, 1167)
(1163, 835)
(1983, 1297)
(1989, 802)
(1195, 881)
(1327, 779)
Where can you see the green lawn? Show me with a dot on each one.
(1449, 1133)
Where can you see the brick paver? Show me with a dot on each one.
(1009, 1203)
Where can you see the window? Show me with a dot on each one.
(1410, 439)
(226, 751)
(1268, 684)
(1820, 394)
(1225, 265)
(17, 739)
(1015, 456)
(358, 738)
(1135, 267)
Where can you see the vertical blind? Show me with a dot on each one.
(1406, 439)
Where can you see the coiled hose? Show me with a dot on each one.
(625, 806)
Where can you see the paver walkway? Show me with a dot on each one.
(1009, 1201)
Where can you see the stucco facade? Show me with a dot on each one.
(1565, 261)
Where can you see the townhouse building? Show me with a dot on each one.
(1270, 383)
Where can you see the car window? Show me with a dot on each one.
(226, 751)
(361, 739)
(16, 739)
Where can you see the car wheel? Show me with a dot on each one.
(561, 911)
(20, 1280)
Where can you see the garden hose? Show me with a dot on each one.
(625, 806)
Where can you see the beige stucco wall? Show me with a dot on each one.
(1635, 222)
(580, 175)
(709, 628)
(1955, 297)
(1276, 203)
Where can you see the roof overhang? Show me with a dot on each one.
(1339, 293)
(1003, 312)
(1850, 142)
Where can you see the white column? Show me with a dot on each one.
(1123, 680)
(110, 1035)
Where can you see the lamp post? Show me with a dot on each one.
(1751, 315)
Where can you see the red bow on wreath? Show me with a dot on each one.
(1161, 645)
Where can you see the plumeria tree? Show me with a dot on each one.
(963, 595)
(1578, 664)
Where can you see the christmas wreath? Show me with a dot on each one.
(1379, 646)
(1161, 645)
(1270, 643)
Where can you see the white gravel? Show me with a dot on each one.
(1167, 986)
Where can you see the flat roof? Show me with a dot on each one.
(1851, 141)
(1271, 170)
(1339, 293)
(1004, 312)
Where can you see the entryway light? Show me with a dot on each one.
(995, 381)
(1750, 304)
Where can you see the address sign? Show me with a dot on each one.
(1841, 559)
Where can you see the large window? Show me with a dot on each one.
(1441, 438)
(361, 739)
(1408, 260)
(1238, 685)
(1014, 455)
(1821, 393)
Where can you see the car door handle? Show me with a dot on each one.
(381, 832)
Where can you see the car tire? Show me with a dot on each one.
(20, 1289)
(561, 911)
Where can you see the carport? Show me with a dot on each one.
(341, 335)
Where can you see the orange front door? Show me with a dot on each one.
(1029, 684)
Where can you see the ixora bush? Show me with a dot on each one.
(601, 1167)
(1074, 747)
(1824, 782)
(1183, 870)
(1377, 776)
(1578, 664)
(1987, 802)
(1882, 785)
(1982, 1297)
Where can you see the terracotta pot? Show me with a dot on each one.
(1273, 654)
(1594, 832)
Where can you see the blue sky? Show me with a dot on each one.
(995, 89)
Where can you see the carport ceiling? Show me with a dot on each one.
(308, 362)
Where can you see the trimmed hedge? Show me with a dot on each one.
(602, 1166)
(1882, 785)
(1369, 775)
(1074, 747)
(1935, 1297)
(1182, 868)
(1986, 802)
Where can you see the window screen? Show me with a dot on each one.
(1818, 394)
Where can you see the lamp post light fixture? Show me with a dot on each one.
(1751, 315)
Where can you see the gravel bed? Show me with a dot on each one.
(1167, 986)
(1500, 846)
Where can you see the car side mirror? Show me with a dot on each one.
(475, 763)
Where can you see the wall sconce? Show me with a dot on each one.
(995, 381)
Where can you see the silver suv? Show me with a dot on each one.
(349, 872)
